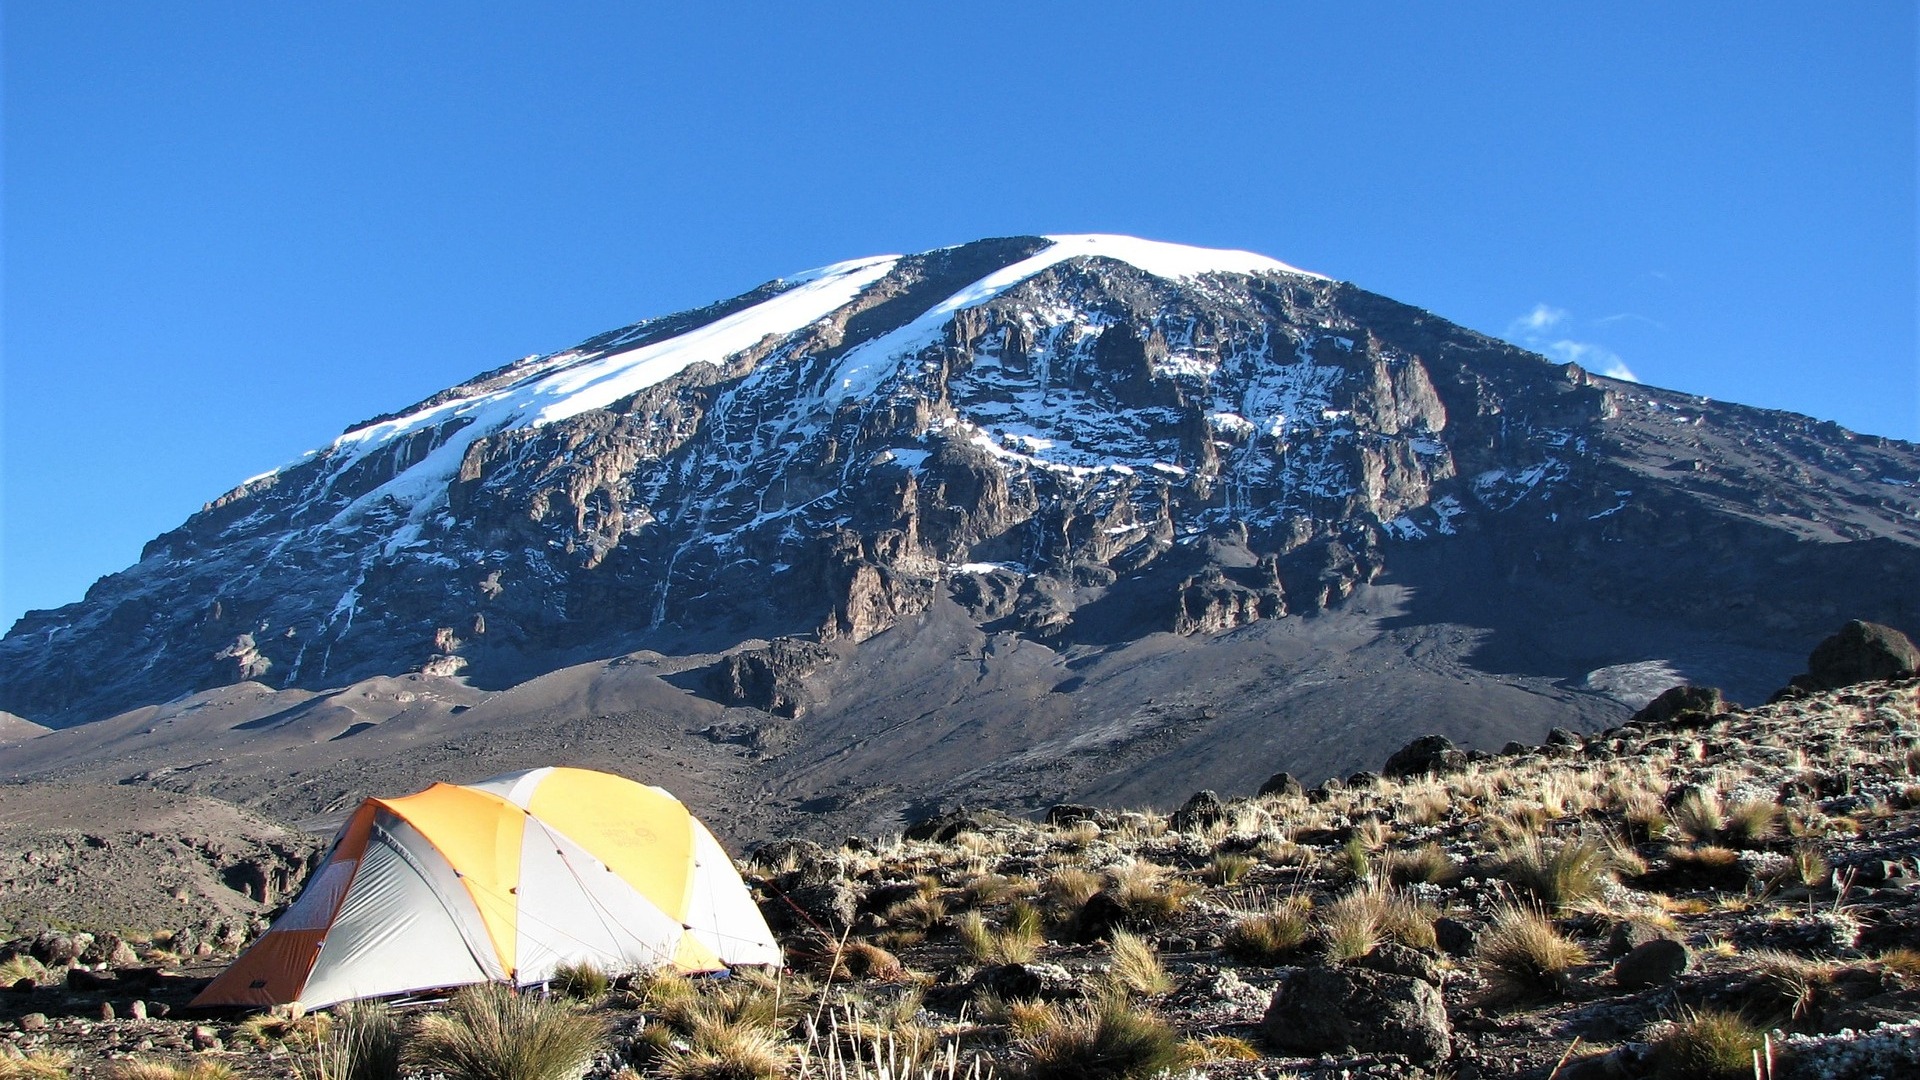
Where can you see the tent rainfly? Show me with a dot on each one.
(503, 880)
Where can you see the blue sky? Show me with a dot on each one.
(231, 230)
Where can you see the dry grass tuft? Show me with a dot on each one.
(1558, 873)
(1268, 937)
(1427, 863)
(364, 1043)
(490, 1032)
(1135, 967)
(149, 1069)
(1708, 1044)
(36, 1065)
(1522, 954)
(1228, 868)
(1105, 1040)
(1354, 924)
(582, 981)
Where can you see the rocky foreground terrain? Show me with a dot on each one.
(1662, 898)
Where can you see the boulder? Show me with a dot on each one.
(1681, 706)
(1102, 914)
(1324, 1010)
(1202, 810)
(1653, 963)
(1282, 783)
(943, 827)
(1630, 935)
(1861, 652)
(1062, 815)
(1434, 754)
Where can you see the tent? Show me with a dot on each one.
(503, 880)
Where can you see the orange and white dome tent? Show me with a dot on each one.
(503, 881)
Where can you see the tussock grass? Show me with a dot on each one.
(1752, 823)
(149, 1069)
(1558, 873)
(365, 1042)
(1522, 954)
(1268, 937)
(1135, 967)
(1699, 816)
(1104, 1040)
(15, 968)
(728, 1053)
(1069, 887)
(1355, 923)
(1018, 942)
(1228, 868)
(865, 960)
(1707, 1044)
(1148, 892)
(1226, 1048)
(1427, 863)
(490, 1032)
(581, 981)
(36, 1065)
(921, 913)
(292, 1027)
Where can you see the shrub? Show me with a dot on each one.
(1105, 1040)
(1135, 967)
(1267, 937)
(1707, 1044)
(582, 981)
(1558, 874)
(1522, 954)
(492, 1032)
(363, 1043)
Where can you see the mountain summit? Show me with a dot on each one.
(1255, 484)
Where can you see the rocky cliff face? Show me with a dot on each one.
(1079, 440)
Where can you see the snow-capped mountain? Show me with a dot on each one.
(1070, 442)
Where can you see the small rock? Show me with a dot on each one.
(1562, 737)
(1455, 937)
(137, 1010)
(33, 1022)
(1101, 915)
(106, 1011)
(204, 1037)
(1630, 935)
(1654, 963)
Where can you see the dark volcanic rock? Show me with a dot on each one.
(1861, 652)
(1652, 963)
(1282, 783)
(1434, 754)
(1323, 1010)
(1682, 706)
(1202, 810)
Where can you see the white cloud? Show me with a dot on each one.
(1538, 321)
(1533, 331)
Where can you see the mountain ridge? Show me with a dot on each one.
(1037, 461)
